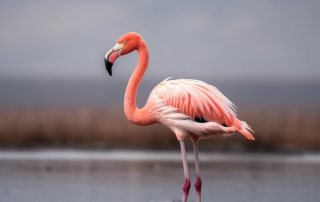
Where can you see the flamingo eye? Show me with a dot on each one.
(124, 42)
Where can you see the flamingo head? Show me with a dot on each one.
(126, 44)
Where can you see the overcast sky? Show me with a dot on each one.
(245, 40)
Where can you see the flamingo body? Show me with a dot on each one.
(193, 108)
(190, 108)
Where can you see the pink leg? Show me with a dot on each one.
(186, 186)
(198, 184)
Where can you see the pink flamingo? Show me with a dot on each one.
(190, 108)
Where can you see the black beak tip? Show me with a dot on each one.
(108, 66)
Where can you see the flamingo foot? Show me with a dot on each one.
(185, 189)
(198, 185)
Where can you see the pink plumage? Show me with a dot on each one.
(196, 99)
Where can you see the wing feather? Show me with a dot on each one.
(178, 102)
(196, 99)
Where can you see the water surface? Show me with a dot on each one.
(135, 177)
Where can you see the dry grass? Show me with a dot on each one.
(274, 130)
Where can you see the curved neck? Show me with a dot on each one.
(130, 105)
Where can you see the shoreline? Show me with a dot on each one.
(152, 156)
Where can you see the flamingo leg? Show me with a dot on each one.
(186, 186)
(198, 184)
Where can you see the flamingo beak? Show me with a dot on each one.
(108, 66)
(111, 56)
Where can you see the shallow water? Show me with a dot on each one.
(137, 178)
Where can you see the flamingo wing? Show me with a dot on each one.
(200, 102)
(196, 99)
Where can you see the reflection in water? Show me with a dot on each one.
(152, 181)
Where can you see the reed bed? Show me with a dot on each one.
(109, 129)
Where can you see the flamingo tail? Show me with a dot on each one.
(245, 130)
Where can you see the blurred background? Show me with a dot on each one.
(55, 91)
(56, 94)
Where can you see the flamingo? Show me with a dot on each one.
(190, 108)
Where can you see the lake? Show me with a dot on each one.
(138, 176)
(110, 93)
